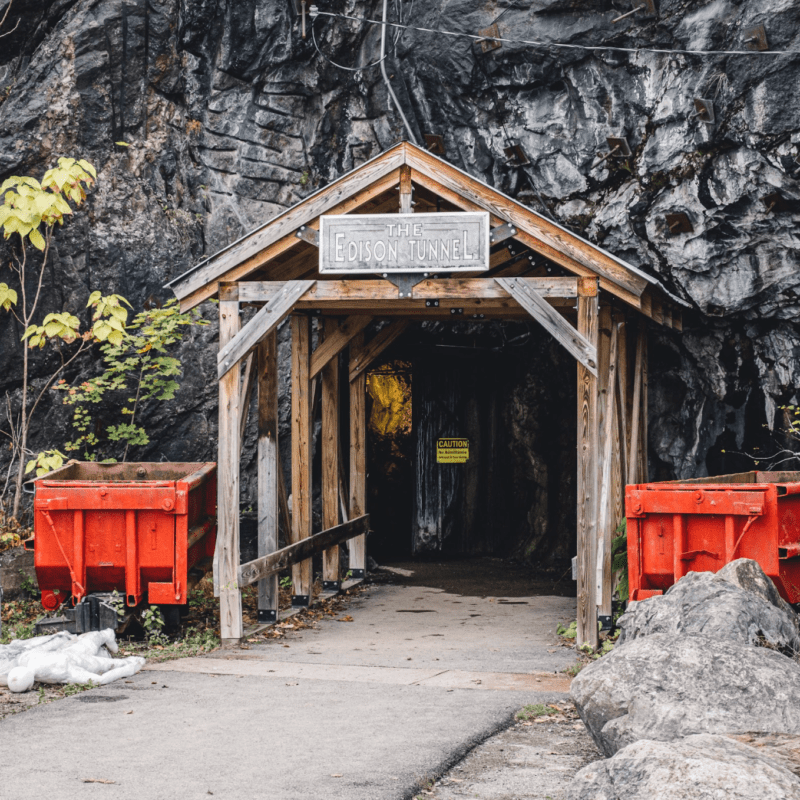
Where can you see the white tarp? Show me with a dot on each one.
(64, 658)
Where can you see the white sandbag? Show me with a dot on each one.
(20, 679)
(65, 658)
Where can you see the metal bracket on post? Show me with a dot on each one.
(300, 601)
(358, 574)
(501, 233)
(406, 281)
(308, 235)
(267, 615)
(331, 586)
(605, 622)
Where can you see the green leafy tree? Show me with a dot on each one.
(138, 368)
(29, 212)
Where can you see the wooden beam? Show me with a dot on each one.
(267, 458)
(587, 471)
(569, 338)
(330, 459)
(606, 500)
(634, 459)
(301, 551)
(566, 246)
(406, 190)
(362, 357)
(283, 500)
(643, 440)
(358, 455)
(226, 556)
(337, 337)
(247, 390)
(265, 320)
(301, 455)
(324, 292)
(340, 197)
(623, 398)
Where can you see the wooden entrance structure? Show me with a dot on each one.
(594, 304)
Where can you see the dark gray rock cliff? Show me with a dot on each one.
(231, 117)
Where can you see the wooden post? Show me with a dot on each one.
(634, 456)
(268, 471)
(587, 469)
(358, 457)
(610, 458)
(643, 439)
(406, 190)
(226, 557)
(330, 469)
(622, 401)
(301, 454)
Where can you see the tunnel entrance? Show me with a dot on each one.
(471, 446)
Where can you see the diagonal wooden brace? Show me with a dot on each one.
(265, 320)
(551, 321)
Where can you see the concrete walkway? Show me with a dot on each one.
(365, 709)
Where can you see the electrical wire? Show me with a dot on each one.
(402, 29)
(563, 45)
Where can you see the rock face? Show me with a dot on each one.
(663, 688)
(700, 767)
(231, 117)
(709, 604)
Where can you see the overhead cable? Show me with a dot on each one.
(561, 45)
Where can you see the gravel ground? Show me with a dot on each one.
(531, 760)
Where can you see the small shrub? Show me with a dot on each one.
(531, 712)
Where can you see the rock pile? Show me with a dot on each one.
(701, 696)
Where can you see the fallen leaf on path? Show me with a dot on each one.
(129, 712)
(348, 618)
(335, 775)
(96, 780)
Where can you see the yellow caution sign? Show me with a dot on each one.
(452, 451)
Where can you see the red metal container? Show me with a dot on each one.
(137, 528)
(701, 525)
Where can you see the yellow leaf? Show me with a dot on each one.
(37, 240)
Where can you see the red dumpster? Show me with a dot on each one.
(135, 528)
(701, 525)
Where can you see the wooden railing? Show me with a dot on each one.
(268, 565)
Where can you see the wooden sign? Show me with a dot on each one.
(452, 450)
(398, 243)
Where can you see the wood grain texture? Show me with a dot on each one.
(302, 552)
(267, 458)
(361, 357)
(301, 449)
(265, 320)
(405, 190)
(247, 391)
(337, 337)
(358, 453)
(330, 452)
(340, 197)
(555, 237)
(587, 479)
(634, 459)
(569, 338)
(226, 556)
(327, 291)
(610, 423)
(643, 440)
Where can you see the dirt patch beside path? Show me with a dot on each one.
(533, 759)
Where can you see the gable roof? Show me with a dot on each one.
(256, 249)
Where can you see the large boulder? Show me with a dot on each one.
(739, 603)
(664, 688)
(699, 767)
